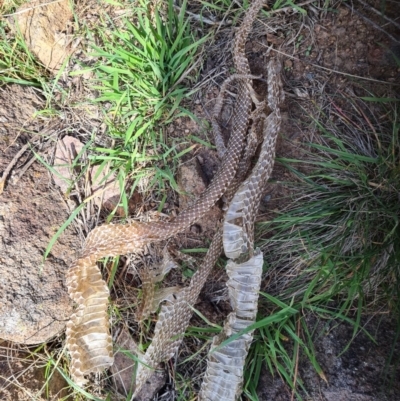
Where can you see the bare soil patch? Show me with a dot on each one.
(23, 377)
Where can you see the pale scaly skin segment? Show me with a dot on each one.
(87, 330)
(111, 240)
(224, 375)
(175, 315)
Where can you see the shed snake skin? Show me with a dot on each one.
(88, 338)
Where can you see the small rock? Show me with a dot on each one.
(195, 229)
(43, 27)
(104, 186)
(190, 181)
(288, 63)
(34, 305)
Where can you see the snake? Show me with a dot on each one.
(88, 338)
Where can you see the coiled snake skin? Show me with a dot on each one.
(88, 338)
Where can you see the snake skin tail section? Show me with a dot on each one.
(224, 375)
(88, 338)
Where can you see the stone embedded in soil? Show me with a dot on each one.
(44, 28)
(103, 185)
(190, 182)
(34, 303)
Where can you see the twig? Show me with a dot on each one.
(11, 165)
(32, 8)
(379, 13)
(41, 148)
(371, 22)
(200, 18)
(328, 69)
(24, 169)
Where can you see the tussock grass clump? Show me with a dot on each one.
(345, 220)
(334, 251)
(140, 71)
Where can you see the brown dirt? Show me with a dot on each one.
(22, 376)
(344, 42)
(366, 371)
